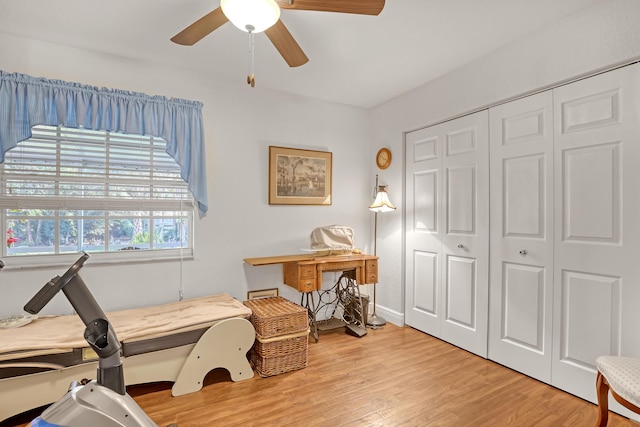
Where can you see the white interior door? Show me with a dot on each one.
(521, 279)
(597, 225)
(447, 189)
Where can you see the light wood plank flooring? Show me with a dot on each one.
(394, 376)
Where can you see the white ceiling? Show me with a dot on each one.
(353, 59)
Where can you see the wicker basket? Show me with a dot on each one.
(277, 316)
(281, 346)
(273, 356)
(269, 366)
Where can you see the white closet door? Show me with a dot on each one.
(447, 193)
(597, 225)
(423, 230)
(521, 280)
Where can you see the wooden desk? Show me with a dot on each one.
(304, 272)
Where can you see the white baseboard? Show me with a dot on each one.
(389, 315)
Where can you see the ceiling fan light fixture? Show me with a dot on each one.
(251, 15)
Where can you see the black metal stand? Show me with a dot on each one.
(343, 301)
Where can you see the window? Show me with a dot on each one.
(66, 190)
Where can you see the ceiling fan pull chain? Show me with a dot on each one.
(251, 78)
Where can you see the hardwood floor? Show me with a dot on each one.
(394, 376)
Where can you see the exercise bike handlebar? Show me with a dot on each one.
(53, 286)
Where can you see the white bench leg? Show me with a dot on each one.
(224, 345)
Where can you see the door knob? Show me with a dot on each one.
(460, 246)
(522, 252)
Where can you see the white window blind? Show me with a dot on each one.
(124, 188)
(76, 168)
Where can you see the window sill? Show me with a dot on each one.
(64, 260)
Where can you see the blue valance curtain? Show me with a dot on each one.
(27, 101)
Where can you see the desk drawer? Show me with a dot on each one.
(371, 271)
(307, 285)
(307, 272)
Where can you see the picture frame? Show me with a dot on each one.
(299, 176)
(263, 293)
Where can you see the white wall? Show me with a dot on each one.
(240, 124)
(600, 36)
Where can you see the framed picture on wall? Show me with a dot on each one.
(299, 177)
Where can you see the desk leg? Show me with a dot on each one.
(308, 302)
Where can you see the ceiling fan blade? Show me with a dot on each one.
(286, 45)
(362, 7)
(201, 28)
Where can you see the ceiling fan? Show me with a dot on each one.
(254, 16)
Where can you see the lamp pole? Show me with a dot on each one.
(373, 319)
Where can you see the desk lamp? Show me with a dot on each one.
(380, 204)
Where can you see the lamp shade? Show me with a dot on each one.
(251, 15)
(382, 202)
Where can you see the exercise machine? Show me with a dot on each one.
(102, 402)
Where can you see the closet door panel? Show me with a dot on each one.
(465, 239)
(524, 196)
(460, 292)
(592, 184)
(446, 254)
(425, 283)
(597, 233)
(425, 212)
(523, 324)
(422, 219)
(521, 285)
(590, 317)
(461, 200)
